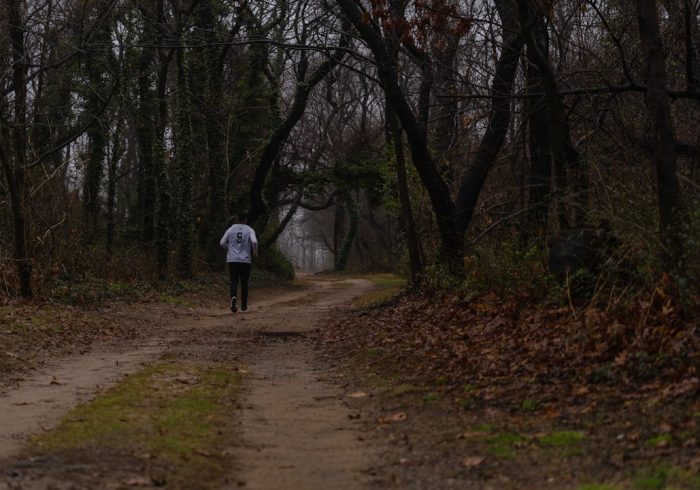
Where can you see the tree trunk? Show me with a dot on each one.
(395, 138)
(163, 216)
(145, 130)
(409, 225)
(97, 140)
(672, 218)
(539, 185)
(97, 135)
(499, 119)
(342, 254)
(563, 149)
(215, 118)
(16, 174)
(112, 165)
(185, 169)
(270, 240)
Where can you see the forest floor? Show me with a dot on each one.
(483, 392)
(329, 384)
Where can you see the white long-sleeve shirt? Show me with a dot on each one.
(240, 242)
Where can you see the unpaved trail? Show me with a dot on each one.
(295, 431)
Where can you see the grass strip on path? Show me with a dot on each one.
(174, 413)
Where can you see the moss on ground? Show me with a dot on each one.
(563, 438)
(503, 445)
(662, 477)
(172, 411)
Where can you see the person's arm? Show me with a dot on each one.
(224, 241)
(254, 242)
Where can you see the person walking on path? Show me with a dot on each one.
(241, 245)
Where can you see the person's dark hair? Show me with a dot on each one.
(242, 217)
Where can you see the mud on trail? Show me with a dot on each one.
(240, 401)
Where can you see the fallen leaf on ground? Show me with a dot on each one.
(54, 381)
(471, 461)
(399, 417)
(582, 390)
(138, 482)
(357, 394)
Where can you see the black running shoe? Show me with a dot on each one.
(244, 308)
(233, 305)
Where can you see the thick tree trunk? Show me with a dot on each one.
(163, 214)
(445, 117)
(671, 215)
(215, 118)
(539, 186)
(16, 173)
(395, 138)
(97, 133)
(183, 142)
(163, 219)
(407, 221)
(15, 186)
(565, 154)
(499, 119)
(145, 128)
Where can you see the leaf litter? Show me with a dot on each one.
(590, 388)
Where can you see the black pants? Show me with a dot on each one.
(239, 270)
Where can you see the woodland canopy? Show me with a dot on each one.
(453, 140)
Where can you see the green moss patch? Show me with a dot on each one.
(483, 428)
(565, 438)
(665, 477)
(432, 397)
(529, 405)
(504, 445)
(660, 440)
(173, 411)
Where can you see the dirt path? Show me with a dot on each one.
(295, 431)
